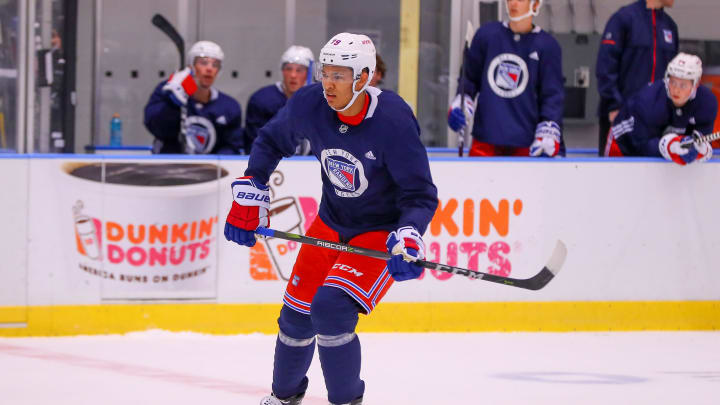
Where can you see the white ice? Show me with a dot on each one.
(157, 367)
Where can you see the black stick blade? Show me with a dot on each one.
(536, 282)
(164, 25)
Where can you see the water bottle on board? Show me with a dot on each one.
(115, 130)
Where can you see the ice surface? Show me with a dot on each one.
(158, 367)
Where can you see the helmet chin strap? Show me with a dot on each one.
(352, 100)
(526, 15)
(522, 17)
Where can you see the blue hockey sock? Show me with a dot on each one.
(294, 350)
(334, 317)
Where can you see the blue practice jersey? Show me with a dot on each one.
(635, 49)
(262, 106)
(375, 175)
(222, 112)
(518, 80)
(650, 113)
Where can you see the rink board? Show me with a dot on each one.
(96, 254)
(388, 317)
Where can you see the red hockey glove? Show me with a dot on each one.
(181, 86)
(682, 150)
(249, 210)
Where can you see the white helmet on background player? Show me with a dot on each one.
(530, 12)
(299, 55)
(355, 51)
(205, 49)
(685, 66)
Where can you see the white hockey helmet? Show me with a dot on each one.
(355, 51)
(205, 49)
(299, 55)
(684, 66)
(530, 12)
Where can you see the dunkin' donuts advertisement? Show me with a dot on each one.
(104, 229)
(143, 229)
(152, 229)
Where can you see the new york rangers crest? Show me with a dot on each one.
(668, 36)
(345, 172)
(200, 135)
(508, 75)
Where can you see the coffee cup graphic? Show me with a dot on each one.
(87, 233)
(142, 230)
(284, 216)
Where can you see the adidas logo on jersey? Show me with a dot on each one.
(535, 56)
(369, 155)
(221, 120)
(343, 128)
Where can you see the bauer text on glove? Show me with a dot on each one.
(250, 209)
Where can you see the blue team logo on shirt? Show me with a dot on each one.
(200, 135)
(345, 172)
(508, 75)
(668, 36)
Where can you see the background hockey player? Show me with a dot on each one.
(214, 119)
(638, 43)
(296, 66)
(377, 193)
(515, 69)
(380, 70)
(659, 119)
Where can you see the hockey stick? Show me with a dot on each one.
(164, 25)
(702, 139)
(461, 132)
(535, 282)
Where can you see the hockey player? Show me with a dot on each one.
(380, 70)
(214, 119)
(515, 69)
(639, 41)
(296, 65)
(665, 118)
(377, 193)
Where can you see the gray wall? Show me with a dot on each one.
(126, 48)
(251, 33)
(84, 75)
(581, 133)
(433, 71)
(379, 19)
